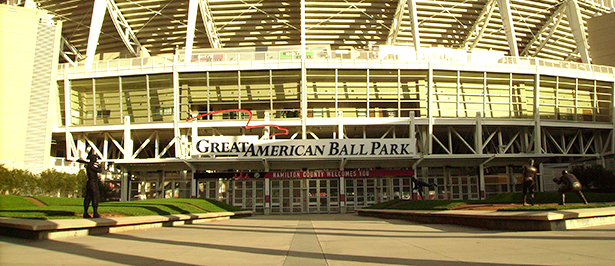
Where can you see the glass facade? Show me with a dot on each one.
(358, 93)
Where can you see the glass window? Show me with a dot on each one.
(135, 101)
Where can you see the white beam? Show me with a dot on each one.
(555, 17)
(69, 52)
(121, 25)
(210, 27)
(483, 17)
(415, 24)
(396, 25)
(578, 30)
(509, 27)
(304, 104)
(192, 9)
(98, 16)
(551, 32)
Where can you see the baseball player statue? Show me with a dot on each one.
(92, 194)
(569, 183)
(529, 182)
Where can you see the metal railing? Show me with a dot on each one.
(289, 59)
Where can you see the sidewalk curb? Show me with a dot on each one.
(505, 220)
(54, 229)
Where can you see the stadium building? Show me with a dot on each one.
(309, 106)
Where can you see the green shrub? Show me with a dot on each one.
(595, 177)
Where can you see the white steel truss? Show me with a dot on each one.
(126, 33)
(121, 25)
(481, 22)
(397, 19)
(98, 16)
(516, 140)
(578, 30)
(414, 18)
(69, 52)
(551, 26)
(210, 27)
(509, 26)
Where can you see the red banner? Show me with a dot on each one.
(309, 174)
(337, 174)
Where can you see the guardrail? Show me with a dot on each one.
(278, 59)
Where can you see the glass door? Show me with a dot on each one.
(323, 195)
(464, 187)
(249, 194)
(360, 193)
(208, 189)
(286, 196)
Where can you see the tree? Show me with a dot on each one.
(23, 183)
(48, 183)
(595, 177)
(52, 183)
(6, 180)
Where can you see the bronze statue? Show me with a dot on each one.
(529, 182)
(92, 194)
(570, 184)
(420, 184)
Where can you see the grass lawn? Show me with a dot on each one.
(72, 208)
(597, 200)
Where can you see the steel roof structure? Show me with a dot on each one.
(551, 29)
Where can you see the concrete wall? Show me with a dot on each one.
(602, 39)
(22, 51)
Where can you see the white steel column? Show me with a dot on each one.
(67, 118)
(416, 39)
(509, 27)
(193, 185)
(125, 183)
(303, 76)
(396, 25)
(98, 16)
(340, 124)
(481, 178)
(578, 30)
(192, 9)
(429, 138)
(105, 152)
(342, 195)
(478, 137)
(267, 207)
(537, 129)
(176, 132)
(412, 130)
(128, 145)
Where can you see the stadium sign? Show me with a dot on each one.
(251, 147)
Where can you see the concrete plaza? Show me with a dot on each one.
(325, 239)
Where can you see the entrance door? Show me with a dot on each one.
(140, 190)
(208, 189)
(249, 194)
(360, 192)
(286, 196)
(464, 187)
(402, 188)
(323, 195)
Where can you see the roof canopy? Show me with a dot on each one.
(551, 29)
